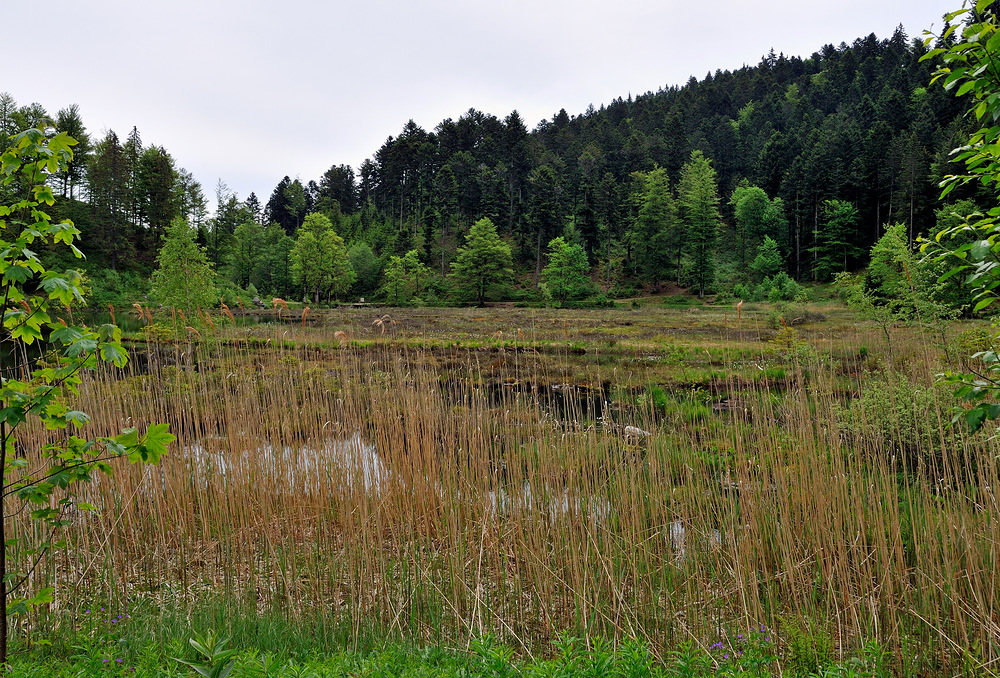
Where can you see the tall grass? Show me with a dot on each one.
(440, 492)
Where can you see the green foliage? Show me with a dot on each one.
(769, 260)
(565, 276)
(484, 260)
(216, 661)
(757, 217)
(836, 244)
(40, 392)
(320, 263)
(904, 419)
(968, 68)
(366, 268)
(657, 234)
(698, 199)
(898, 287)
(972, 248)
(808, 650)
(185, 278)
(245, 251)
(120, 288)
(951, 291)
(405, 278)
(899, 279)
(780, 287)
(272, 273)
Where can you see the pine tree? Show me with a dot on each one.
(657, 232)
(698, 198)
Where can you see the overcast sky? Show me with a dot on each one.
(251, 91)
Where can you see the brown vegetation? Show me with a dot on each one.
(445, 484)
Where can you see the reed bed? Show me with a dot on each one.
(439, 492)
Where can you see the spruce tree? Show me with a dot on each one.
(698, 198)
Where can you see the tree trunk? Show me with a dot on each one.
(3, 556)
(538, 258)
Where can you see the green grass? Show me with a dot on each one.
(279, 652)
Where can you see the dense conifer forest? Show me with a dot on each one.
(781, 173)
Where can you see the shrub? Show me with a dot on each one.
(900, 418)
(602, 301)
(121, 289)
(779, 288)
(808, 651)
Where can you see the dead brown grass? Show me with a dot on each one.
(370, 479)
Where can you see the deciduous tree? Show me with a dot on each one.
(565, 275)
(319, 259)
(184, 278)
(483, 261)
(41, 485)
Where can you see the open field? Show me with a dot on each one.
(672, 475)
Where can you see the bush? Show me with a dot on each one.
(743, 292)
(779, 288)
(900, 418)
(623, 292)
(121, 289)
(808, 650)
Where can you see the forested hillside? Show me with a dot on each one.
(789, 168)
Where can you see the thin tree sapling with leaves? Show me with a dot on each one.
(971, 67)
(40, 483)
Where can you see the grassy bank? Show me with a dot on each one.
(749, 655)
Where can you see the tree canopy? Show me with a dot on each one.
(484, 260)
(184, 278)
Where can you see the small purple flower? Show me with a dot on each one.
(105, 660)
(725, 656)
(119, 660)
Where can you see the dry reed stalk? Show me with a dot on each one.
(499, 510)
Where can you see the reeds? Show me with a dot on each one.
(447, 492)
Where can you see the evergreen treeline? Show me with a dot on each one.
(795, 165)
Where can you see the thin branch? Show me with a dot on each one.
(8, 488)
(45, 547)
